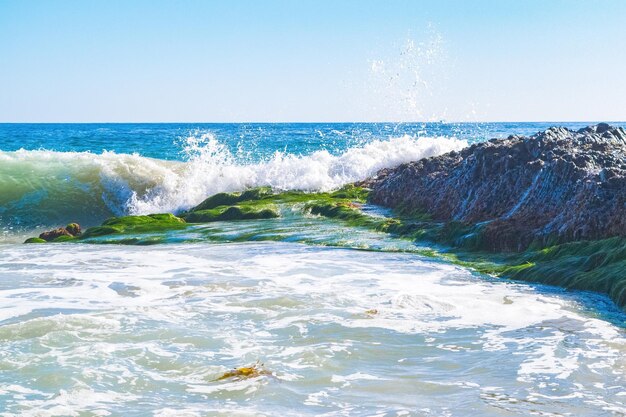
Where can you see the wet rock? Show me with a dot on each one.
(553, 187)
(73, 229)
(51, 235)
(60, 234)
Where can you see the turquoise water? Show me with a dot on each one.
(344, 321)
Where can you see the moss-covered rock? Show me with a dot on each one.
(586, 265)
(100, 231)
(351, 192)
(232, 213)
(230, 199)
(34, 240)
(343, 210)
(136, 224)
(63, 239)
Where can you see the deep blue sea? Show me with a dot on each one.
(260, 140)
(339, 320)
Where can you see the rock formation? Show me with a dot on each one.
(553, 187)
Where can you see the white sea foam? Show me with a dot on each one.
(153, 328)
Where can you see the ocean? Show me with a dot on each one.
(342, 321)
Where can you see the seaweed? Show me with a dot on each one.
(245, 372)
(34, 240)
(232, 213)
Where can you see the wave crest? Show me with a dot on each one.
(40, 188)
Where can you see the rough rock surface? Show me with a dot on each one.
(71, 230)
(555, 186)
(53, 234)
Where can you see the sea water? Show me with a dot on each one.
(341, 321)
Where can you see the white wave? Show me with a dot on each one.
(212, 168)
(77, 185)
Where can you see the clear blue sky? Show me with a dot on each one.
(136, 60)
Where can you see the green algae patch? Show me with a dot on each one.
(136, 224)
(63, 239)
(100, 231)
(34, 240)
(254, 204)
(351, 192)
(262, 203)
(343, 210)
(264, 195)
(230, 199)
(150, 221)
(598, 266)
(233, 213)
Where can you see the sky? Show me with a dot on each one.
(312, 61)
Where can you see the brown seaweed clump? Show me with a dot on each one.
(246, 372)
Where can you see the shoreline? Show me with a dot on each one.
(557, 265)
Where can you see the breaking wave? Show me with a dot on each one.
(41, 188)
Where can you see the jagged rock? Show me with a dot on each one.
(555, 186)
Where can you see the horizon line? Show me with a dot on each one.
(325, 122)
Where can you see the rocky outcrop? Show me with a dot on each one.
(556, 186)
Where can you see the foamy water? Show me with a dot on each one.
(118, 330)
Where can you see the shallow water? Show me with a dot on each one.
(134, 331)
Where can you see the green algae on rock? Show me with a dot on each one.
(34, 240)
(598, 266)
(136, 224)
(60, 234)
(229, 199)
(231, 213)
